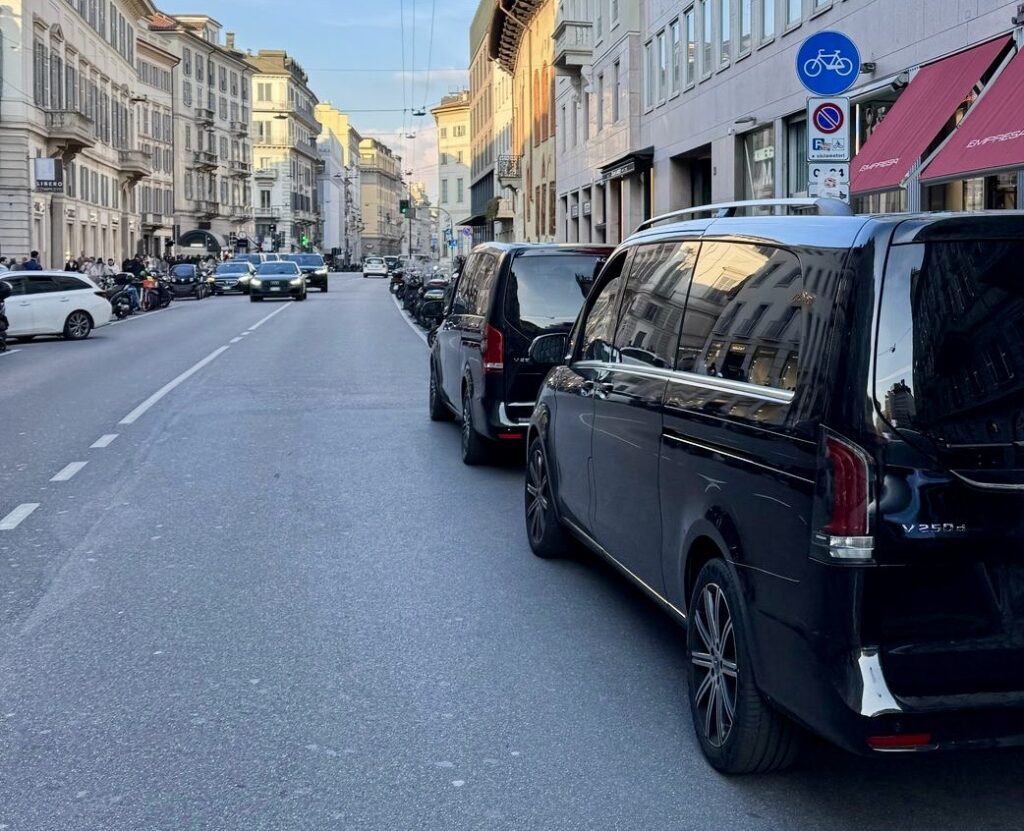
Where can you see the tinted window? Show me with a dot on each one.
(307, 259)
(743, 318)
(546, 293)
(278, 268)
(232, 268)
(183, 270)
(652, 303)
(374, 261)
(951, 343)
(599, 326)
(69, 283)
(41, 285)
(17, 284)
(477, 278)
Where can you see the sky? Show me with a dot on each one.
(352, 52)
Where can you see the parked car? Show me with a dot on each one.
(815, 459)
(313, 267)
(54, 303)
(276, 280)
(375, 267)
(233, 275)
(253, 259)
(188, 280)
(479, 366)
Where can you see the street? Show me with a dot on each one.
(278, 600)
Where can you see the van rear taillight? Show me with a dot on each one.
(493, 349)
(847, 490)
(903, 741)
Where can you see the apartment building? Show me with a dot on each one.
(454, 149)
(337, 123)
(287, 164)
(213, 169)
(520, 40)
(155, 125)
(70, 80)
(707, 106)
(381, 189)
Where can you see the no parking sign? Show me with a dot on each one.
(828, 129)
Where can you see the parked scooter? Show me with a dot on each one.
(410, 292)
(116, 289)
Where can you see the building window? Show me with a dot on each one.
(690, 28)
(186, 61)
(616, 90)
(649, 74)
(758, 164)
(767, 19)
(821, 4)
(600, 102)
(794, 11)
(444, 191)
(796, 157)
(599, 20)
(264, 92)
(460, 190)
(746, 11)
(676, 56)
(662, 65)
(706, 31)
(725, 32)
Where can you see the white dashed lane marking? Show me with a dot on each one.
(234, 340)
(103, 441)
(69, 471)
(144, 407)
(9, 352)
(17, 516)
(260, 322)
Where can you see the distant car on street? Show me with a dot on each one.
(233, 276)
(375, 267)
(313, 267)
(188, 280)
(54, 303)
(276, 280)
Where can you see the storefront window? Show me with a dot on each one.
(796, 157)
(757, 160)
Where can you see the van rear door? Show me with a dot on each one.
(949, 393)
(544, 292)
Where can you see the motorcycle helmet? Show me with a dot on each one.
(5, 290)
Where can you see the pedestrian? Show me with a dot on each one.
(3, 265)
(95, 270)
(32, 263)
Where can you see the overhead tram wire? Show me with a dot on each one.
(430, 56)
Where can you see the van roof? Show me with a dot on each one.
(546, 247)
(842, 231)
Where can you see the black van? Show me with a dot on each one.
(505, 296)
(804, 436)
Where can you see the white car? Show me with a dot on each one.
(54, 303)
(375, 267)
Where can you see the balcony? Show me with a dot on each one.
(70, 129)
(204, 159)
(136, 164)
(207, 209)
(510, 171)
(155, 220)
(240, 129)
(574, 46)
(236, 167)
(204, 115)
(267, 212)
(266, 173)
(241, 213)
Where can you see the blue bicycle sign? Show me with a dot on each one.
(828, 63)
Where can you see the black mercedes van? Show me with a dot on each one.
(804, 436)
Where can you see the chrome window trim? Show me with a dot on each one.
(692, 379)
(710, 448)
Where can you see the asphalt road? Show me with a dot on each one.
(277, 600)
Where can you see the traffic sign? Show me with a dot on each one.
(828, 63)
(831, 181)
(828, 129)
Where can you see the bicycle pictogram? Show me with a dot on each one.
(828, 61)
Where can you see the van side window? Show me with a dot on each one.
(599, 325)
(740, 325)
(486, 278)
(465, 296)
(652, 303)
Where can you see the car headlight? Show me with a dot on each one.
(296, 282)
(321, 271)
(256, 281)
(245, 278)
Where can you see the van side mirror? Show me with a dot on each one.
(549, 350)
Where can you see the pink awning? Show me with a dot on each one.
(918, 115)
(991, 138)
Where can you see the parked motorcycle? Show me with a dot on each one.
(410, 293)
(116, 290)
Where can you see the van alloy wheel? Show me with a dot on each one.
(715, 665)
(538, 495)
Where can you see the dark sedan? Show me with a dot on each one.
(274, 280)
(313, 267)
(233, 276)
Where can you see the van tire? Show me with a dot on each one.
(758, 739)
(438, 409)
(547, 536)
(475, 449)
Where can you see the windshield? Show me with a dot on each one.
(306, 259)
(183, 270)
(951, 342)
(232, 268)
(546, 292)
(277, 268)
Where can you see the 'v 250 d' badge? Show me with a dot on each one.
(933, 528)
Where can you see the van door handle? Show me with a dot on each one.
(596, 389)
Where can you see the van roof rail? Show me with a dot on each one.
(721, 210)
